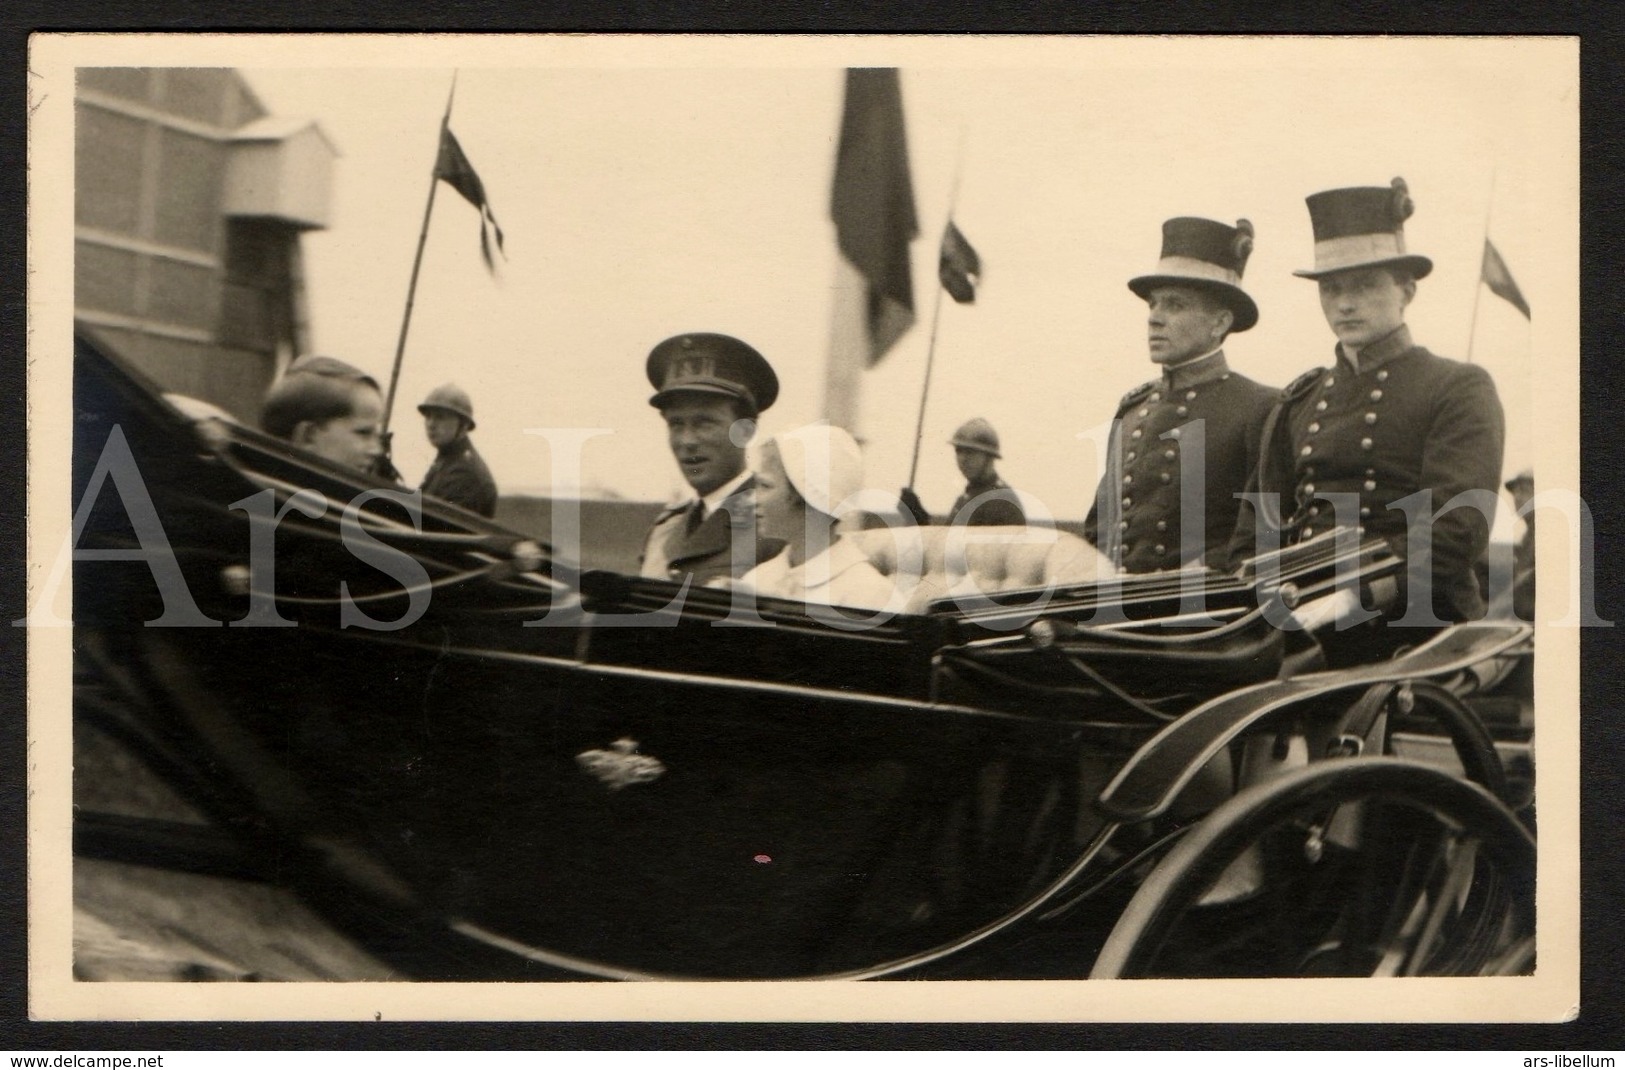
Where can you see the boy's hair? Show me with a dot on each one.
(313, 389)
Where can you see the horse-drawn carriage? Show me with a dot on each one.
(476, 760)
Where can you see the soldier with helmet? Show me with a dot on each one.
(710, 389)
(1353, 444)
(988, 501)
(1182, 445)
(458, 475)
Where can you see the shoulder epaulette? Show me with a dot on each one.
(1138, 394)
(1302, 384)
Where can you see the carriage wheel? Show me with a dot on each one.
(1373, 867)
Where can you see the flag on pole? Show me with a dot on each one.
(453, 167)
(873, 204)
(1499, 280)
(958, 266)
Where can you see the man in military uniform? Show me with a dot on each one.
(710, 389)
(1351, 443)
(1183, 443)
(988, 501)
(459, 474)
(976, 449)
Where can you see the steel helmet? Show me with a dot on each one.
(977, 434)
(451, 398)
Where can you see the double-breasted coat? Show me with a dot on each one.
(1199, 417)
(1403, 421)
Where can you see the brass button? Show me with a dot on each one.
(1162, 525)
(1314, 428)
(1376, 395)
(1122, 525)
(1169, 454)
(1190, 395)
(1137, 433)
(1370, 484)
(1382, 376)
(1314, 510)
(1156, 395)
(1132, 455)
(1307, 532)
(1365, 443)
(1183, 410)
(1161, 549)
(1306, 451)
(1331, 382)
(1127, 480)
(1166, 478)
(1370, 417)
(1365, 511)
(1175, 433)
(1320, 406)
(1144, 412)
(1127, 502)
(1309, 489)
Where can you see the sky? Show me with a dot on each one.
(664, 186)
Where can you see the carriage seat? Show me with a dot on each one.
(938, 562)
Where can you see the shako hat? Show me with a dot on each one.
(1208, 255)
(1362, 226)
(712, 364)
(977, 434)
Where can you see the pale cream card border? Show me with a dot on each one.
(1548, 67)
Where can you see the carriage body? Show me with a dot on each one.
(555, 772)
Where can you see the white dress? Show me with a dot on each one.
(840, 576)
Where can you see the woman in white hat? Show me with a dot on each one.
(802, 480)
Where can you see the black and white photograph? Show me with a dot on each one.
(654, 518)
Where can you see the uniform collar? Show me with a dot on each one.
(1381, 351)
(455, 448)
(1196, 371)
(715, 499)
(996, 483)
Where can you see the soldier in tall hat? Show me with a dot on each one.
(1182, 444)
(710, 389)
(1349, 443)
(458, 475)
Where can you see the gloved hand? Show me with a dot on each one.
(913, 508)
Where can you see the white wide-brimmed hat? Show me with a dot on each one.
(823, 463)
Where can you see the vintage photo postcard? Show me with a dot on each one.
(804, 529)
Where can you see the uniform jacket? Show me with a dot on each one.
(459, 476)
(1202, 408)
(671, 551)
(998, 510)
(1406, 421)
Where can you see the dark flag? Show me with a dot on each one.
(453, 166)
(1499, 280)
(958, 266)
(873, 203)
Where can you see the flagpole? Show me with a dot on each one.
(417, 260)
(936, 317)
(1478, 288)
